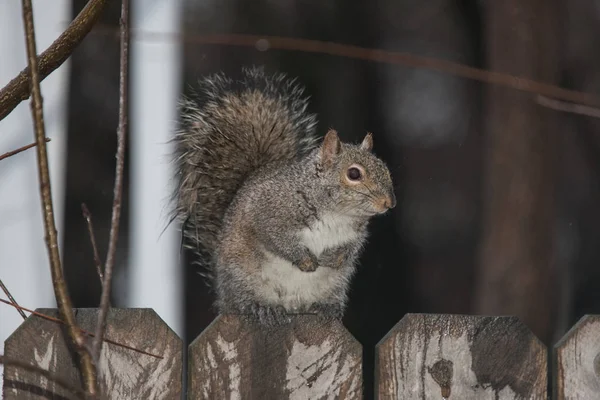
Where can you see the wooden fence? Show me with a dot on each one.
(425, 356)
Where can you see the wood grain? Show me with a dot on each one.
(577, 361)
(124, 373)
(460, 357)
(235, 358)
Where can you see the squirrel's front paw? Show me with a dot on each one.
(328, 311)
(308, 263)
(340, 260)
(334, 258)
(270, 316)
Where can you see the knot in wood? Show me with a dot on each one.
(442, 372)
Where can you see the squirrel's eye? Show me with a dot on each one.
(354, 174)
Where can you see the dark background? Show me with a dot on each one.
(497, 196)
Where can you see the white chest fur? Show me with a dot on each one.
(284, 284)
(329, 231)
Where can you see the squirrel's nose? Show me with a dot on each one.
(390, 201)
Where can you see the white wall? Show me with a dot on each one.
(24, 266)
(155, 279)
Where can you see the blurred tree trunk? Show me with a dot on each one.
(93, 114)
(516, 273)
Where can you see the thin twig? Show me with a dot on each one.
(19, 150)
(88, 370)
(375, 55)
(59, 51)
(574, 108)
(12, 299)
(44, 316)
(43, 372)
(118, 189)
(88, 218)
(59, 321)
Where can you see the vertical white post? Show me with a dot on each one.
(155, 279)
(24, 265)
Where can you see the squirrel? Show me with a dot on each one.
(278, 217)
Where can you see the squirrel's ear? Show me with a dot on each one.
(367, 143)
(330, 147)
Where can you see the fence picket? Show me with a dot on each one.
(576, 363)
(124, 373)
(430, 356)
(235, 358)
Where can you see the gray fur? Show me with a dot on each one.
(220, 143)
(271, 213)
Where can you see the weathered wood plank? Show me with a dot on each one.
(235, 358)
(124, 373)
(576, 361)
(460, 357)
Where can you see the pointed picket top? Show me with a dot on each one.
(432, 356)
(237, 358)
(576, 361)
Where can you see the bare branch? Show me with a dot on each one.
(375, 55)
(19, 150)
(12, 299)
(118, 189)
(59, 321)
(63, 300)
(43, 372)
(88, 218)
(59, 51)
(574, 108)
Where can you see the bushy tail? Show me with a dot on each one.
(228, 130)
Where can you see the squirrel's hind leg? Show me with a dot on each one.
(240, 289)
(237, 298)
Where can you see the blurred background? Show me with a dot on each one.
(497, 193)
